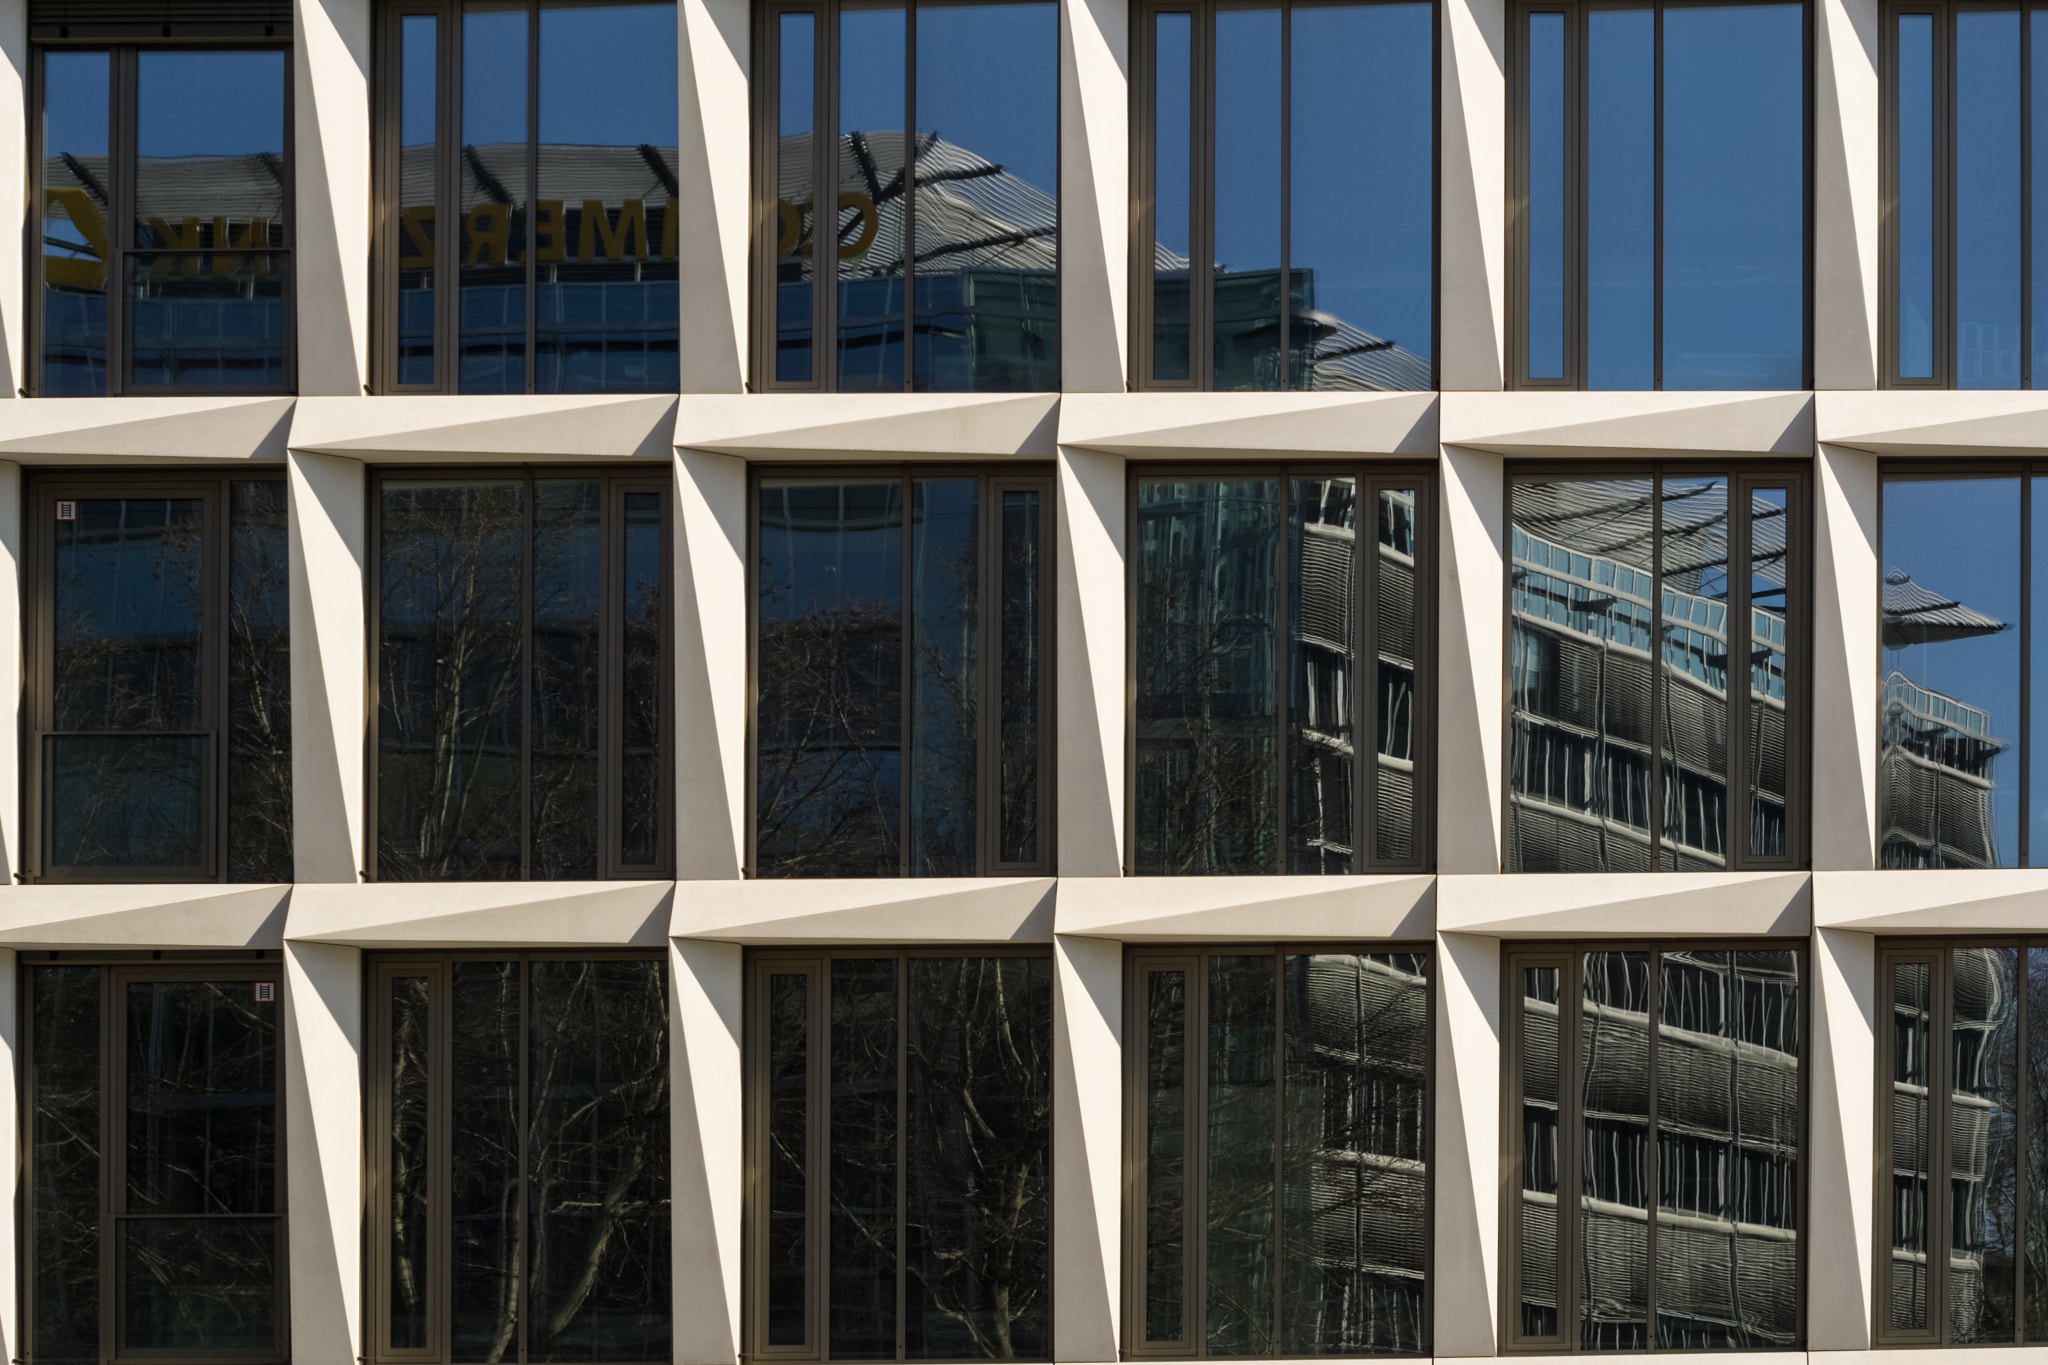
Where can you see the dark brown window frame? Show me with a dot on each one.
(387, 94)
(1742, 475)
(618, 480)
(117, 969)
(994, 480)
(1138, 958)
(1569, 956)
(1371, 477)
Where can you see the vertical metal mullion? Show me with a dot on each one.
(1283, 666)
(902, 1146)
(1202, 184)
(909, 196)
(533, 189)
(1657, 813)
(447, 200)
(1365, 690)
(121, 211)
(1657, 204)
(1650, 1172)
(526, 681)
(216, 530)
(113, 1148)
(1286, 194)
(2020, 1114)
(611, 670)
(906, 712)
(2026, 646)
(523, 1109)
(990, 566)
(818, 1243)
(1279, 1143)
(1570, 1182)
(2026, 11)
(1936, 1239)
(1195, 1156)
(825, 198)
(1739, 646)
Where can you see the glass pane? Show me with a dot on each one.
(1913, 218)
(1361, 224)
(77, 177)
(1356, 1122)
(1396, 608)
(2035, 1084)
(829, 718)
(450, 636)
(1983, 1162)
(2036, 569)
(1735, 220)
(1021, 624)
(1579, 755)
(978, 1148)
(567, 588)
(945, 674)
(1242, 1105)
(2037, 217)
(1693, 550)
(605, 309)
(987, 211)
(483, 1197)
(1322, 673)
(1987, 251)
(418, 122)
(207, 319)
(200, 1284)
(202, 1098)
(1543, 213)
(1207, 676)
(1166, 1193)
(1769, 627)
(1172, 193)
(1621, 199)
(259, 684)
(1247, 133)
(64, 1156)
(869, 222)
(1614, 1134)
(410, 1173)
(795, 212)
(860, 1291)
(1912, 1074)
(597, 1162)
(1951, 673)
(1540, 1064)
(640, 805)
(492, 193)
(127, 615)
(126, 801)
(786, 1177)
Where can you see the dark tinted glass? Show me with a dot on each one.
(418, 131)
(63, 1223)
(863, 1174)
(259, 685)
(1021, 624)
(411, 1159)
(1621, 198)
(1247, 131)
(1911, 1076)
(796, 235)
(786, 1177)
(2037, 207)
(1172, 192)
(195, 1285)
(202, 1102)
(484, 1195)
(77, 175)
(1322, 590)
(872, 121)
(945, 674)
(1540, 1066)
(126, 802)
(1398, 606)
(1544, 210)
(492, 197)
(1693, 557)
(565, 725)
(1166, 1137)
(2034, 1084)
(1913, 218)
(1239, 1181)
(1984, 1022)
(641, 599)
(1614, 1132)
(1987, 203)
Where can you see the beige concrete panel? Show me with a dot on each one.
(870, 426)
(207, 915)
(1472, 165)
(11, 673)
(1095, 194)
(1935, 424)
(1559, 425)
(1253, 909)
(13, 1068)
(323, 1150)
(467, 914)
(330, 664)
(1841, 1162)
(1845, 195)
(1179, 426)
(1961, 901)
(126, 430)
(1466, 1145)
(331, 192)
(867, 910)
(1845, 661)
(714, 171)
(710, 664)
(14, 145)
(1471, 688)
(1087, 1147)
(451, 429)
(1089, 663)
(706, 993)
(1645, 904)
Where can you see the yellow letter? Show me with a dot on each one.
(417, 226)
(489, 225)
(71, 272)
(668, 231)
(550, 233)
(616, 245)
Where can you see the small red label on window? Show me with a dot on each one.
(266, 992)
(67, 511)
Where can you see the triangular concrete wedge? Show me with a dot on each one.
(912, 910)
(1141, 425)
(1135, 909)
(900, 426)
(1650, 904)
(159, 916)
(1631, 423)
(497, 428)
(455, 915)
(100, 430)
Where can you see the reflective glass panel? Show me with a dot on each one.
(565, 729)
(418, 132)
(1022, 610)
(861, 1228)
(1239, 1182)
(795, 224)
(1693, 552)
(193, 1285)
(483, 1191)
(1911, 1077)
(1614, 1134)
(1770, 624)
(63, 1148)
(1247, 289)
(77, 178)
(1984, 1024)
(492, 197)
(2034, 1084)
(1913, 217)
(1322, 666)
(407, 1181)
(870, 222)
(1987, 204)
(2037, 216)
(259, 684)
(1166, 1195)
(1397, 607)
(945, 674)
(786, 1177)
(642, 607)
(1544, 210)
(1621, 198)
(1540, 1067)
(1172, 193)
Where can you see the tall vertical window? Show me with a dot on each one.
(1278, 1187)
(153, 1208)
(899, 1120)
(1273, 652)
(159, 703)
(1657, 195)
(937, 269)
(163, 192)
(521, 657)
(1655, 1190)
(903, 705)
(1966, 131)
(518, 1164)
(526, 205)
(1638, 740)
(1319, 243)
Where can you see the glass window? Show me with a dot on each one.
(560, 276)
(1279, 1187)
(166, 221)
(161, 680)
(1250, 702)
(1660, 1200)
(521, 661)
(945, 279)
(519, 1107)
(1321, 242)
(1619, 765)
(154, 1220)
(900, 1207)
(1658, 195)
(883, 747)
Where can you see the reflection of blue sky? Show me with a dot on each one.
(493, 76)
(1987, 199)
(608, 75)
(871, 93)
(1248, 139)
(1004, 109)
(417, 73)
(1621, 198)
(1913, 47)
(209, 103)
(74, 120)
(796, 86)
